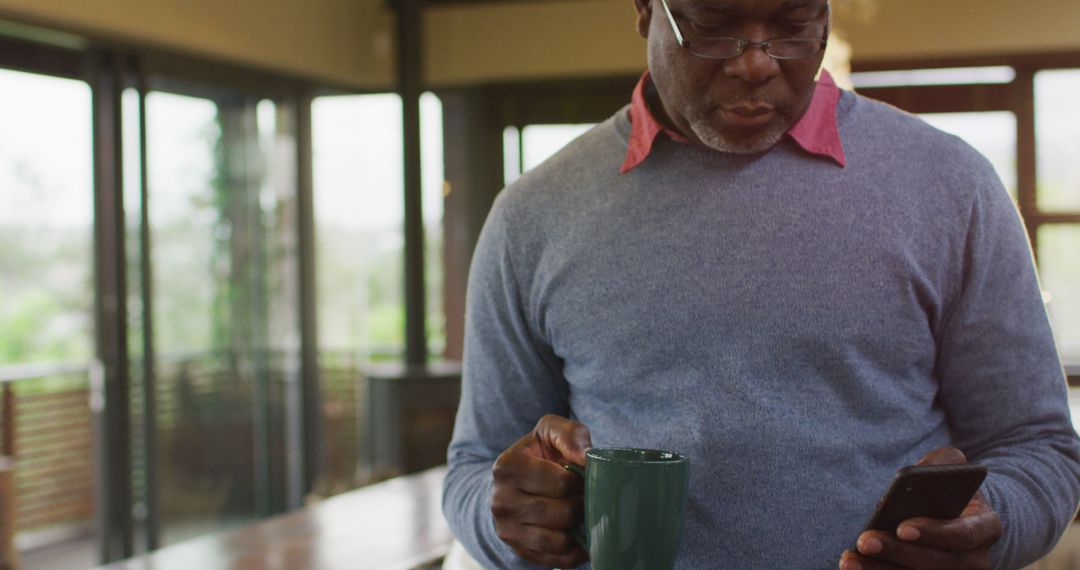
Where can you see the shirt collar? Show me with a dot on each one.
(816, 132)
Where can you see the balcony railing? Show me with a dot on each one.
(203, 418)
(46, 427)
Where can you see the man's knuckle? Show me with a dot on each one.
(552, 513)
(977, 533)
(505, 533)
(542, 543)
(563, 484)
(564, 543)
(548, 559)
(971, 537)
(502, 504)
(501, 470)
(534, 509)
(556, 542)
(531, 555)
(499, 510)
(547, 421)
(565, 514)
(549, 543)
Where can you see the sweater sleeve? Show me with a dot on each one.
(510, 379)
(1003, 387)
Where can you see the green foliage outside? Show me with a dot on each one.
(46, 308)
(33, 329)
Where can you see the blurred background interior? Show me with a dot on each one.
(234, 235)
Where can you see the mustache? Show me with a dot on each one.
(730, 100)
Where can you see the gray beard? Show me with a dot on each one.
(699, 123)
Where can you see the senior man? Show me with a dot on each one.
(800, 289)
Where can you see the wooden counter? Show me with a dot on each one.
(395, 525)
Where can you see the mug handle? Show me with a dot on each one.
(579, 532)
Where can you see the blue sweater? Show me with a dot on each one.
(797, 329)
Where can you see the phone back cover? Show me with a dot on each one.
(933, 491)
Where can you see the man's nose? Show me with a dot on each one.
(753, 65)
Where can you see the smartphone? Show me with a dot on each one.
(932, 491)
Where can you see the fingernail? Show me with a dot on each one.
(907, 532)
(870, 545)
(850, 565)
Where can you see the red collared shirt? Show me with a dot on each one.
(816, 132)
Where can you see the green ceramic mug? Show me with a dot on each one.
(635, 500)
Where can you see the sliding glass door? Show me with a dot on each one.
(215, 387)
(46, 307)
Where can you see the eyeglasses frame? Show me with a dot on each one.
(745, 44)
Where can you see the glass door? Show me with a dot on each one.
(221, 290)
(46, 312)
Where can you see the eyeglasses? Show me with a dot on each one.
(727, 48)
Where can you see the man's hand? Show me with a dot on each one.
(963, 542)
(535, 500)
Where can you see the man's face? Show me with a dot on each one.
(744, 104)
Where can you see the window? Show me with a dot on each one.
(526, 148)
(359, 215)
(942, 76)
(434, 190)
(1059, 268)
(1058, 194)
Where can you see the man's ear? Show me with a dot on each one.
(644, 16)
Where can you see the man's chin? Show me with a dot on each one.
(710, 128)
(749, 143)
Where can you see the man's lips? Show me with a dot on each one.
(748, 116)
